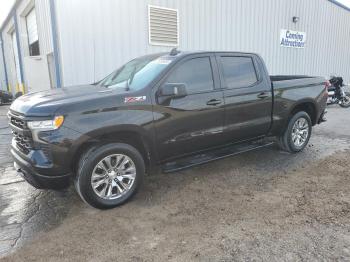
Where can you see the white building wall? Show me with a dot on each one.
(36, 69)
(44, 26)
(96, 37)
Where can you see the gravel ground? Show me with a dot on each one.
(265, 205)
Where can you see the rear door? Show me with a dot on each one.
(194, 122)
(248, 96)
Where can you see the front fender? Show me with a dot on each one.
(94, 126)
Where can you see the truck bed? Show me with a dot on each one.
(276, 78)
(295, 81)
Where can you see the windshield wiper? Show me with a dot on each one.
(131, 78)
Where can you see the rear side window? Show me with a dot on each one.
(238, 71)
(195, 73)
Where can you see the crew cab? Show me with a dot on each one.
(169, 110)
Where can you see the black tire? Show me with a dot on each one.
(286, 142)
(87, 164)
(1, 100)
(347, 104)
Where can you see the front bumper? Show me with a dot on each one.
(44, 158)
(27, 171)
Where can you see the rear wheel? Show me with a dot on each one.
(297, 134)
(109, 175)
(345, 102)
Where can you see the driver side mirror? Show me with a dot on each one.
(173, 90)
(170, 91)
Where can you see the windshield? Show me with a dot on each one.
(136, 74)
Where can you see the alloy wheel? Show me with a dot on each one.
(300, 132)
(113, 176)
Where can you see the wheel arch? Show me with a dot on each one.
(308, 106)
(132, 135)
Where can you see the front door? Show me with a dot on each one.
(194, 122)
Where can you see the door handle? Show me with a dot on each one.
(263, 95)
(213, 102)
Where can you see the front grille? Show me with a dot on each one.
(21, 134)
(18, 122)
(24, 143)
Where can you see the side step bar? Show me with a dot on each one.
(213, 155)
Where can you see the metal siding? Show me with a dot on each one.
(95, 37)
(44, 26)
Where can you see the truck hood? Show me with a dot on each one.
(46, 103)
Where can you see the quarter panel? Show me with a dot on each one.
(289, 97)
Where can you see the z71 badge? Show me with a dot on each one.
(133, 99)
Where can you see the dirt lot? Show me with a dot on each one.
(264, 205)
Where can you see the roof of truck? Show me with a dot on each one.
(177, 54)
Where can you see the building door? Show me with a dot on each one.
(37, 64)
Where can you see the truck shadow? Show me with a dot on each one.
(252, 170)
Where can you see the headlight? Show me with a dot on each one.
(46, 124)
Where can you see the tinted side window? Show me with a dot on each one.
(238, 71)
(195, 73)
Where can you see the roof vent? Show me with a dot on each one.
(163, 26)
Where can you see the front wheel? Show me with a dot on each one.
(109, 175)
(297, 134)
(345, 101)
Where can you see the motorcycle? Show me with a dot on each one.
(337, 93)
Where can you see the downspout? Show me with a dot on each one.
(56, 56)
(4, 61)
(19, 50)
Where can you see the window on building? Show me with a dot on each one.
(195, 73)
(163, 26)
(238, 71)
(32, 32)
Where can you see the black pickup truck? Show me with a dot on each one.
(169, 110)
